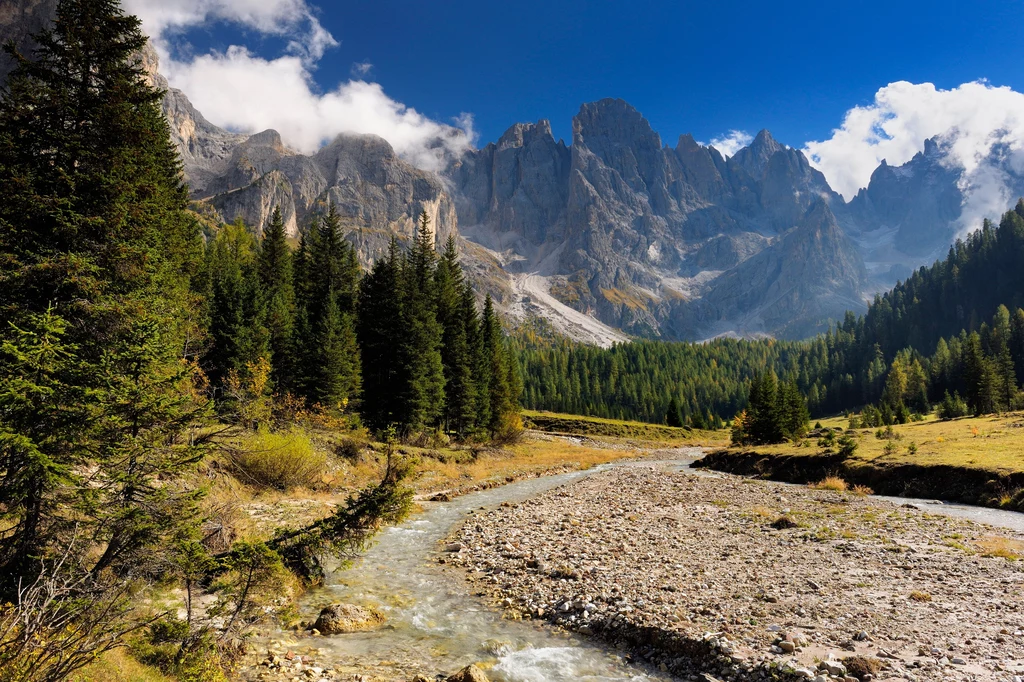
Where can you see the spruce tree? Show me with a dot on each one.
(237, 305)
(792, 408)
(421, 400)
(94, 228)
(480, 366)
(763, 413)
(674, 415)
(496, 359)
(329, 272)
(381, 334)
(278, 289)
(456, 357)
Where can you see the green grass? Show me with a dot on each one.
(577, 425)
(119, 666)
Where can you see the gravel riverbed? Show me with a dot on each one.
(736, 579)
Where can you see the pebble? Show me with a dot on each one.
(836, 585)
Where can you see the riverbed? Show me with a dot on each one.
(741, 578)
(437, 623)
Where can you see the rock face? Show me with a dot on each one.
(790, 288)
(247, 176)
(376, 193)
(635, 233)
(339, 619)
(18, 22)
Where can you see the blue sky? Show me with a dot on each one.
(849, 84)
(704, 68)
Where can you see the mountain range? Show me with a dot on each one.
(614, 234)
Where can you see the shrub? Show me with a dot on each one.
(176, 648)
(784, 523)
(349, 449)
(509, 430)
(920, 596)
(912, 449)
(890, 449)
(833, 483)
(847, 445)
(281, 460)
(862, 491)
(952, 407)
(862, 667)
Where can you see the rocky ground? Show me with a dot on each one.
(752, 579)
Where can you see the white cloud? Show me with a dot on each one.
(732, 142)
(361, 69)
(973, 120)
(246, 92)
(291, 18)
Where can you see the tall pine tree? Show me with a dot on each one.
(456, 356)
(278, 289)
(98, 255)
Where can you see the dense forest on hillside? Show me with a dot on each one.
(956, 326)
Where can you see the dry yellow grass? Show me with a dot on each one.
(992, 443)
(833, 483)
(997, 546)
(919, 596)
(862, 491)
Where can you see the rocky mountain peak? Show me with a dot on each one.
(754, 158)
(612, 121)
(523, 134)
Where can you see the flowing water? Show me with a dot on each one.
(435, 625)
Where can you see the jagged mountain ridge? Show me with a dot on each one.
(674, 242)
(642, 235)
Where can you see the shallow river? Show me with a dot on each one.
(435, 625)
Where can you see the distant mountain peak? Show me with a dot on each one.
(522, 134)
(755, 157)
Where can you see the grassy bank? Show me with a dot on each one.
(974, 460)
(620, 430)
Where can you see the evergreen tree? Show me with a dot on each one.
(1005, 379)
(421, 400)
(496, 359)
(979, 376)
(674, 414)
(765, 418)
(456, 356)
(479, 364)
(239, 337)
(327, 375)
(99, 254)
(277, 286)
(335, 355)
(792, 409)
(381, 335)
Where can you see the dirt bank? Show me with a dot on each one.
(931, 481)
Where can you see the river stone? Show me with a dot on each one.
(341, 618)
(470, 673)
